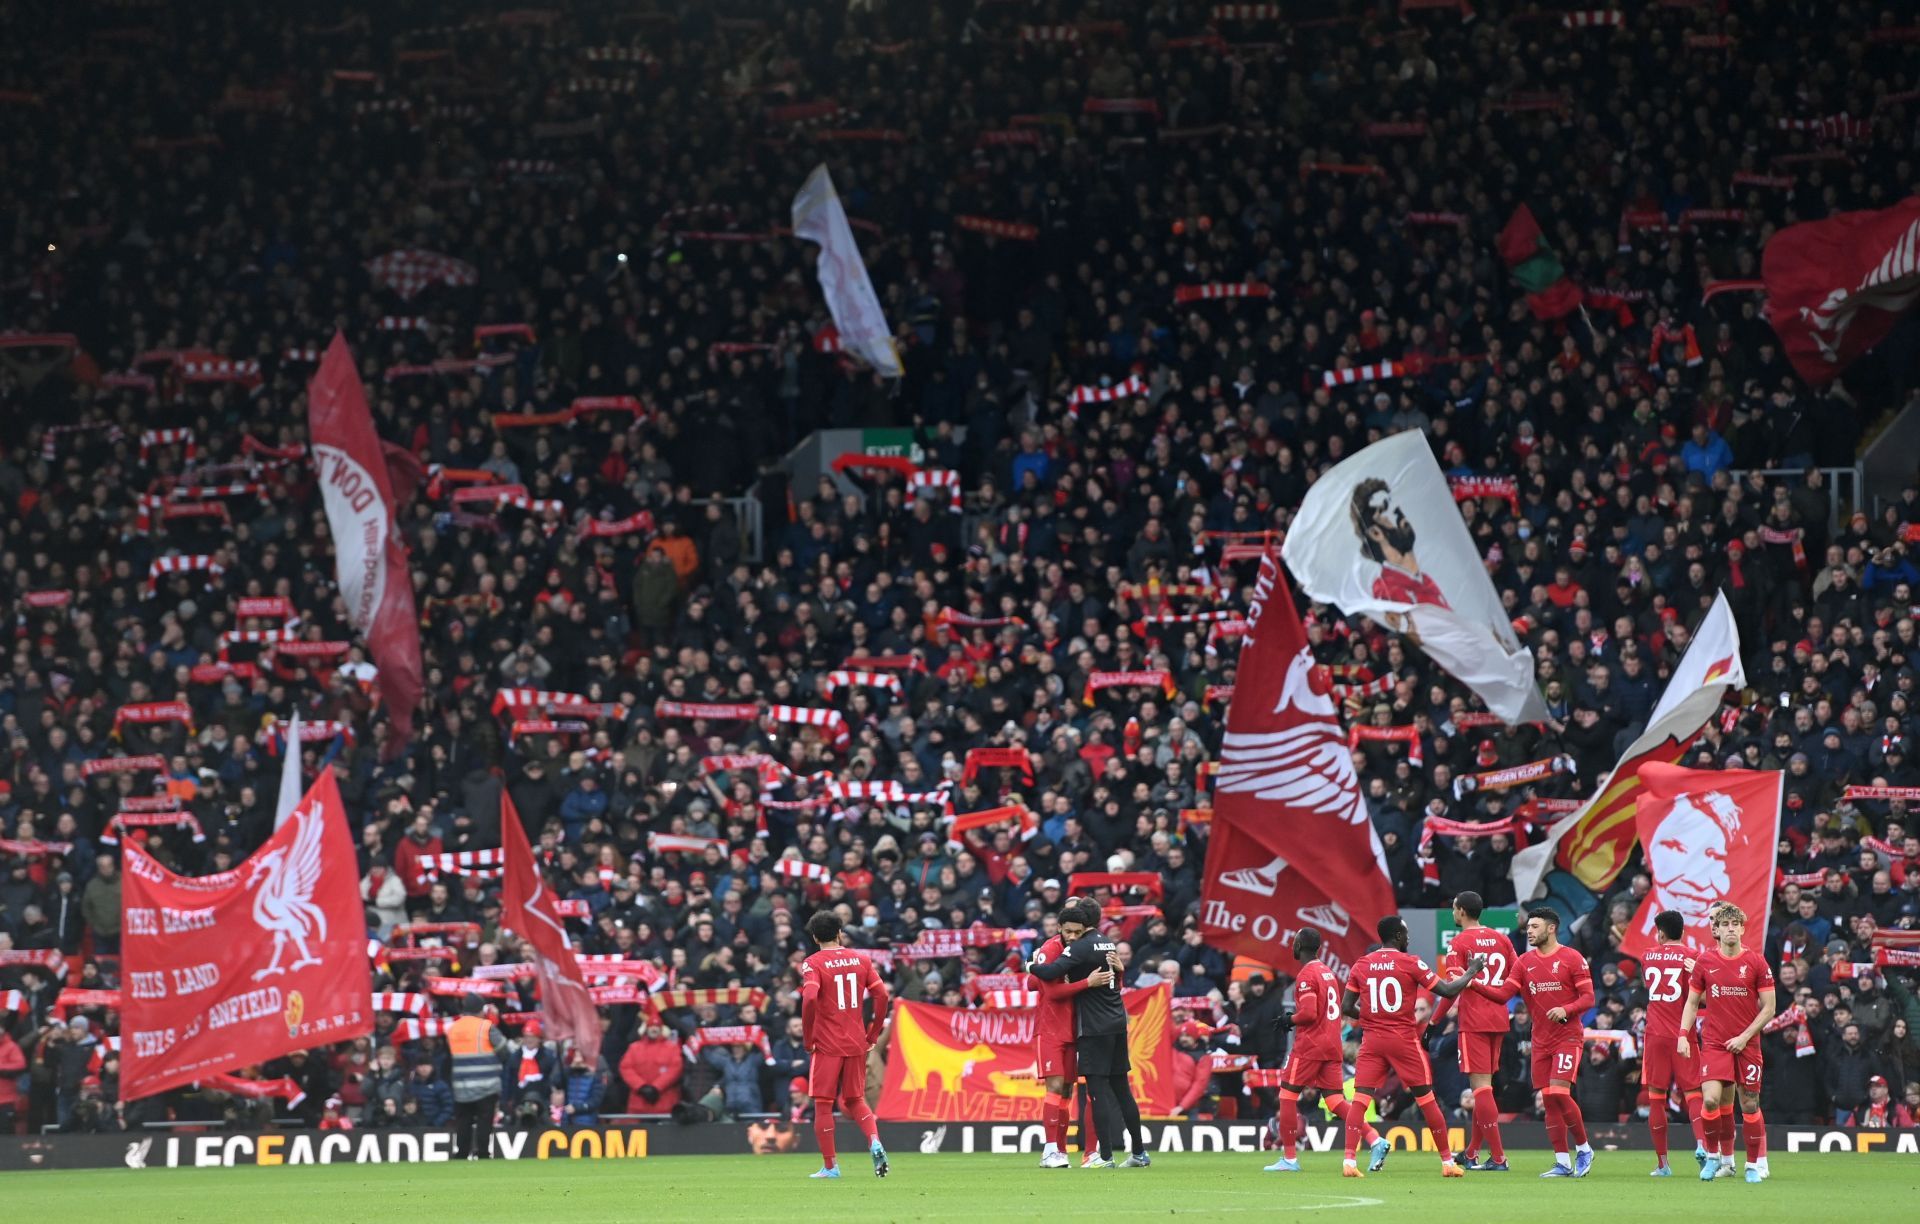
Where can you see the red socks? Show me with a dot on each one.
(823, 1132)
(1756, 1135)
(1694, 1118)
(1726, 1131)
(1556, 1121)
(1486, 1124)
(1436, 1124)
(1657, 1125)
(1053, 1116)
(862, 1115)
(1576, 1125)
(1289, 1123)
(1357, 1106)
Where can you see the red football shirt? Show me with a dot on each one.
(1399, 586)
(1053, 1019)
(1666, 970)
(1730, 987)
(1559, 980)
(1387, 981)
(1316, 1014)
(834, 985)
(1476, 1012)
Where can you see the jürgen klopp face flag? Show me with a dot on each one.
(371, 562)
(526, 909)
(1836, 287)
(1710, 836)
(1291, 844)
(229, 970)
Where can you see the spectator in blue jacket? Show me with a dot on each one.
(739, 1069)
(790, 1062)
(586, 1088)
(1706, 454)
(583, 803)
(431, 1094)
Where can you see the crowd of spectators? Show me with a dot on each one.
(213, 185)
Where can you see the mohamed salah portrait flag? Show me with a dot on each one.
(1710, 835)
(1594, 842)
(1379, 535)
(229, 970)
(964, 1064)
(370, 561)
(1291, 843)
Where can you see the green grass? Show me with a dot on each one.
(775, 1190)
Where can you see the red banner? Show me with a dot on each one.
(229, 970)
(1709, 836)
(369, 558)
(1836, 286)
(956, 1064)
(1291, 842)
(526, 908)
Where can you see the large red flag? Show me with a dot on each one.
(1836, 287)
(230, 970)
(371, 562)
(526, 909)
(1709, 835)
(1291, 843)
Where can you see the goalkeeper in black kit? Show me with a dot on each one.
(1100, 1031)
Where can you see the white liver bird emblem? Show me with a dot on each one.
(1307, 765)
(284, 904)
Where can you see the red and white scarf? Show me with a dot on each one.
(833, 681)
(1216, 290)
(1409, 736)
(151, 820)
(830, 721)
(1162, 680)
(1132, 388)
(201, 562)
(728, 1034)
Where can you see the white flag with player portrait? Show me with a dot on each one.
(1379, 535)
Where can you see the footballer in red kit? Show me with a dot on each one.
(835, 984)
(1381, 992)
(1317, 1062)
(1054, 1055)
(1558, 988)
(1665, 970)
(1737, 990)
(1482, 1025)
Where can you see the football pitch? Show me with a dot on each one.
(770, 1189)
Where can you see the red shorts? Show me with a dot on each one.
(1057, 1058)
(1558, 1064)
(1323, 1074)
(1662, 1066)
(839, 1076)
(1400, 1052)
(1723, 1066)
(1480, 1053)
